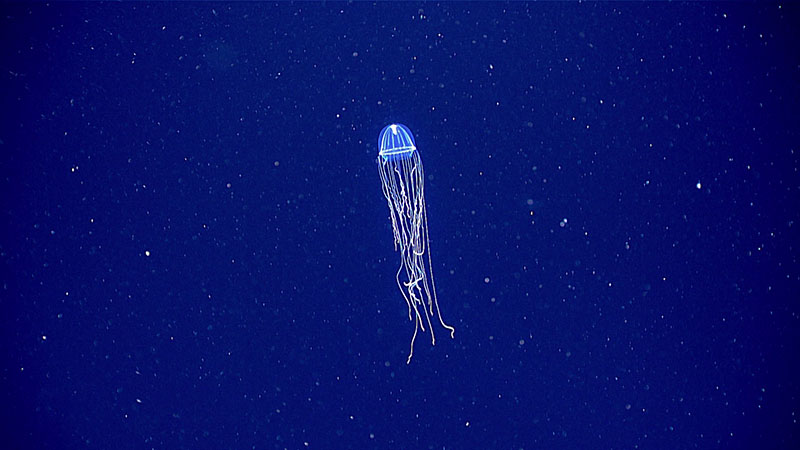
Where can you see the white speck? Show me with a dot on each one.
(147, 253)
(699, 185)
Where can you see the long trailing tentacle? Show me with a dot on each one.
(403, 186)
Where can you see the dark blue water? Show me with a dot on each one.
(196, 251)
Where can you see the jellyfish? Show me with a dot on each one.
(403, 182)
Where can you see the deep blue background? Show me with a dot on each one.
(613, 202)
